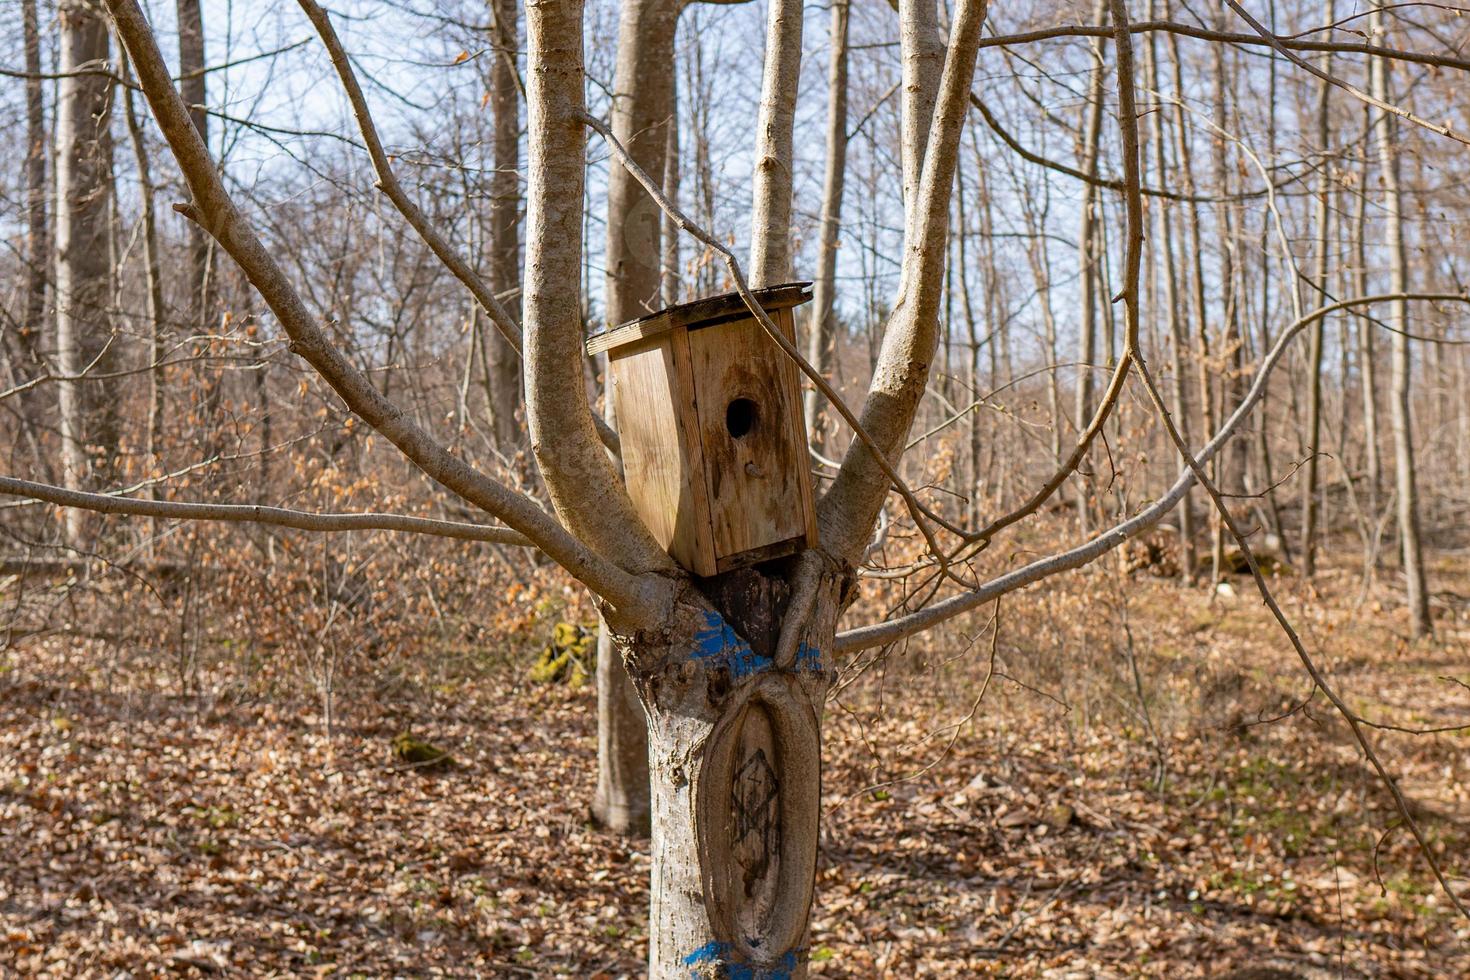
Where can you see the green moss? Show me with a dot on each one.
(570, 658)
(419, 754)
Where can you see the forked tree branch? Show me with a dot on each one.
(850, 507)
(106, 503)
(211, 207)
(620, 153)
(388, 183)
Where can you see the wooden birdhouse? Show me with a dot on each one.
(709, 415)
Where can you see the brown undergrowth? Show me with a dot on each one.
(1141, 791)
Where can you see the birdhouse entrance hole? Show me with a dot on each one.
(740, 417)
(708, 411)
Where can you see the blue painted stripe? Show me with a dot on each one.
(713, 959)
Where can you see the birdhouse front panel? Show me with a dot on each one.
(714, 450)
(748, 404)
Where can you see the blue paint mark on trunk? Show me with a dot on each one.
(809, 658)
(720, 646)
(713, 959)
(718, 642)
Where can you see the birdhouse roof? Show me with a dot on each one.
(699, 313)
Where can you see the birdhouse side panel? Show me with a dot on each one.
(755, 466)
(662, 457)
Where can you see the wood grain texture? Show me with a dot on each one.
(662, 458)
(754, 480)
(715, 498)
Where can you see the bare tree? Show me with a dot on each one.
(504, 361)
(732, 672)
(1385, 139)
(83, 267)
(822, 324)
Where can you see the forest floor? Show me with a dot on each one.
(1058, 828)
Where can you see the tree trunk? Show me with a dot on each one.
(1319, 329)
(1229, 466)
(642, 108)
(669, 285)
(1367, 360)
(642, 112)
(770, 228)
(1088, 254)
(1385, 132)
(822, 332)
(30, 332)
(503, 363)
(83, 273)
(154, 282)
(735, 746)
(37, 240)
(193, 90)
(1173, 307)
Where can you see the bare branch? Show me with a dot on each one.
(214, 210)
(389, 185)
(107, 503)
(1262, 37)
(1348, 87)
(1083, 554)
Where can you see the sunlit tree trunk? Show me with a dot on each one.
(642, 111)
(1385, 131)
(822, 331)
(83, 270)
(770, 223)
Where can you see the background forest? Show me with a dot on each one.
(302, 745)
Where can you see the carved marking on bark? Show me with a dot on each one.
(756, 818)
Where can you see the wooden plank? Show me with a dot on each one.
(694, 545)
(755, 477)
(786, 320)
(662, 461)
(699, 313)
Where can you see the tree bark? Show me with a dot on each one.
(1385, 132)
(822, 331)
(642, 117)
(1312, 484)
(642, 111)
(770, 223)
(735, 748)
(503, 362)
(83, 269)
(38, 243)
(30, 333)
(194, 91)
(1173, 307)
(1089, 255)
(153, 281)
